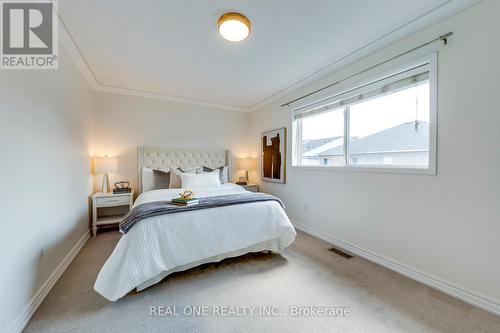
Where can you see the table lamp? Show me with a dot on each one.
(246, 164)
(105, 165)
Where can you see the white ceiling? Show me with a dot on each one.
(171, 47)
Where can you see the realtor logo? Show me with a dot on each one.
(29, 35)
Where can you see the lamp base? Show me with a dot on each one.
(105, 183)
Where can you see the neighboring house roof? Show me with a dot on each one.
(403, 137)
(318, 150)
(311, 144)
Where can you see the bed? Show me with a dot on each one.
(160, 245)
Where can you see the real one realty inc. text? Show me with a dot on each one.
(249, 311)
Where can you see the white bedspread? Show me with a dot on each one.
(162, 243)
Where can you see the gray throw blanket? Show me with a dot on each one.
(150, 209)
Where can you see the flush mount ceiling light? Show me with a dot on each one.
(234, 27)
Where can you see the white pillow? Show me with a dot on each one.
(223, 173)
(200, 180)
(175, 176)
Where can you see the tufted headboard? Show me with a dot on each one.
(156, 157)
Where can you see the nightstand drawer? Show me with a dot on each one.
(113, 201)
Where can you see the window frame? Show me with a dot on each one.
(366, 81)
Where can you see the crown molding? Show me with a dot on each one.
(169, 98)
(67, 41)
(421, 22)
(425, 20)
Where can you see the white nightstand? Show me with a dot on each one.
(251, 187)
(104, 201)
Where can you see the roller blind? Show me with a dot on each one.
(362, 94)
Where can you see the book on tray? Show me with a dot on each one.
(184, 202)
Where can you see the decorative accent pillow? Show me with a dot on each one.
(149, 179)
(200, 180)
(223, 173)
(161, 179)
(175, 176)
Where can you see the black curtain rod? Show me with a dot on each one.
(443, 38)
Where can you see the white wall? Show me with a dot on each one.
(45, 135)
(125, 122)
(447, 226)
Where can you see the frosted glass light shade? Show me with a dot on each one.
(105, 164)
(234, 27)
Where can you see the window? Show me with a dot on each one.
(387, 124)
(315, 137)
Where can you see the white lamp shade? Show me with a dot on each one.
(105, 164)
(248, 163)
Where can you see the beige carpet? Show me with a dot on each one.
(309, 275)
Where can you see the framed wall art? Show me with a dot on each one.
(273, 149)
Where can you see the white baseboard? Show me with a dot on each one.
(468, 296)
(40, 295)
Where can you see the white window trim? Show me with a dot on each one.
(431, 59)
